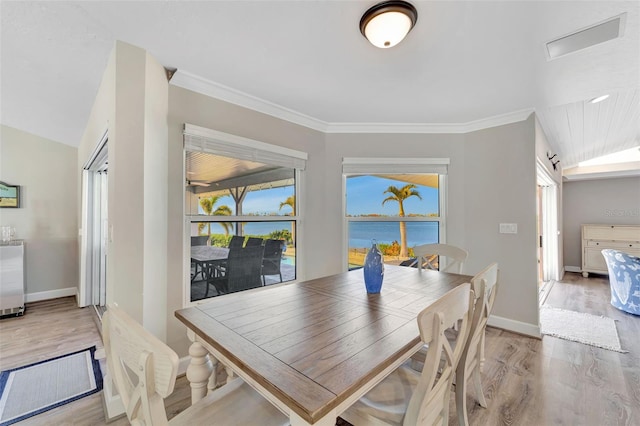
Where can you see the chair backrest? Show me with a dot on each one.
(244, 266)
(429, 403)
(252, 242)
(428, 256)
(272, 257)
(485, 288)
(236, 241)
(200, 240)
(142, 367)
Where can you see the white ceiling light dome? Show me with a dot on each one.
(387, 24)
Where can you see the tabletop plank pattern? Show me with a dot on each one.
(313, 344)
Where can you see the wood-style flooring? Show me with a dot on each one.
(526, 381)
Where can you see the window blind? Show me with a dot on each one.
(201, 139)
(358, 165)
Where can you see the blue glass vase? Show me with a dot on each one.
(373, 269)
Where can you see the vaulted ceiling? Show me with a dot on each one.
(463, 62)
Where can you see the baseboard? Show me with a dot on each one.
(572, 269)
(51, 294)
(515, 326)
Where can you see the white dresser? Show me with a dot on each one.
(11, 278)
(596, 238)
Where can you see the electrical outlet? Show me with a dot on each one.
(508, 228)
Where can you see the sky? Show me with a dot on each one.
(364, 196)
(366, 193)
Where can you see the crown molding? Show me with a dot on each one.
(206, 87)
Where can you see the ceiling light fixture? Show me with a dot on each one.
(387, 24)
(599, 99)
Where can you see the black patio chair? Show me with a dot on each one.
(272, 259)
(241, 272)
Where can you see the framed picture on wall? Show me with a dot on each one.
(9, 195)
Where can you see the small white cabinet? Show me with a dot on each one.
(11, 278)
(596, 238)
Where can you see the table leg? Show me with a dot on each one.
(199, 371)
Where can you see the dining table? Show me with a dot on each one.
(315, 347)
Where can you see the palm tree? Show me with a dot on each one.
(400, 195)
(291, 202)
(208, 204)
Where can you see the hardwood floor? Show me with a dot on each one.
(557, 382)
(526, 381)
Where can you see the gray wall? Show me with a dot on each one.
(189, 107)
(607, 201)
(47, 218)
(492, 179)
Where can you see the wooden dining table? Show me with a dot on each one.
(313, 348)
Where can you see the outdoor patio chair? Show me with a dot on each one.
(236, 241)
(272, 259)
(241, 271)
(252, 242)
(409, 397)
(144, 370)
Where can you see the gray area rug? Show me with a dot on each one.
(36, 388)
(580, 327)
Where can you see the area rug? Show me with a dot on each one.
(36, 388)
(579, 327)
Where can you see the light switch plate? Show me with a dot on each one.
(508, 228)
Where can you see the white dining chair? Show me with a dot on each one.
(428, 255)
(485, 287)
(407, 397)
(144, 373)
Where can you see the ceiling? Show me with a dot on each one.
(463, 62)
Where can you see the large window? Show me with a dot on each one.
(239, 193)
(396, 209)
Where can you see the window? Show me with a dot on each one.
(239, 192)
(399, 203)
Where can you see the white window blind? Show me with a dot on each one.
(358, 165)
(201, 139)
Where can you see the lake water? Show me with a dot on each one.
(361, 233)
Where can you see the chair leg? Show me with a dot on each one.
(461, 395)
(280, 276)
(264, 281)
(477, 384)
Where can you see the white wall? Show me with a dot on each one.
(47, 219)
(132, 104)
(606, 201)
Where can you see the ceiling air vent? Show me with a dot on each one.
(587, 37)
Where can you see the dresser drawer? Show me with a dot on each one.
(616, 245)
(611, 232)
